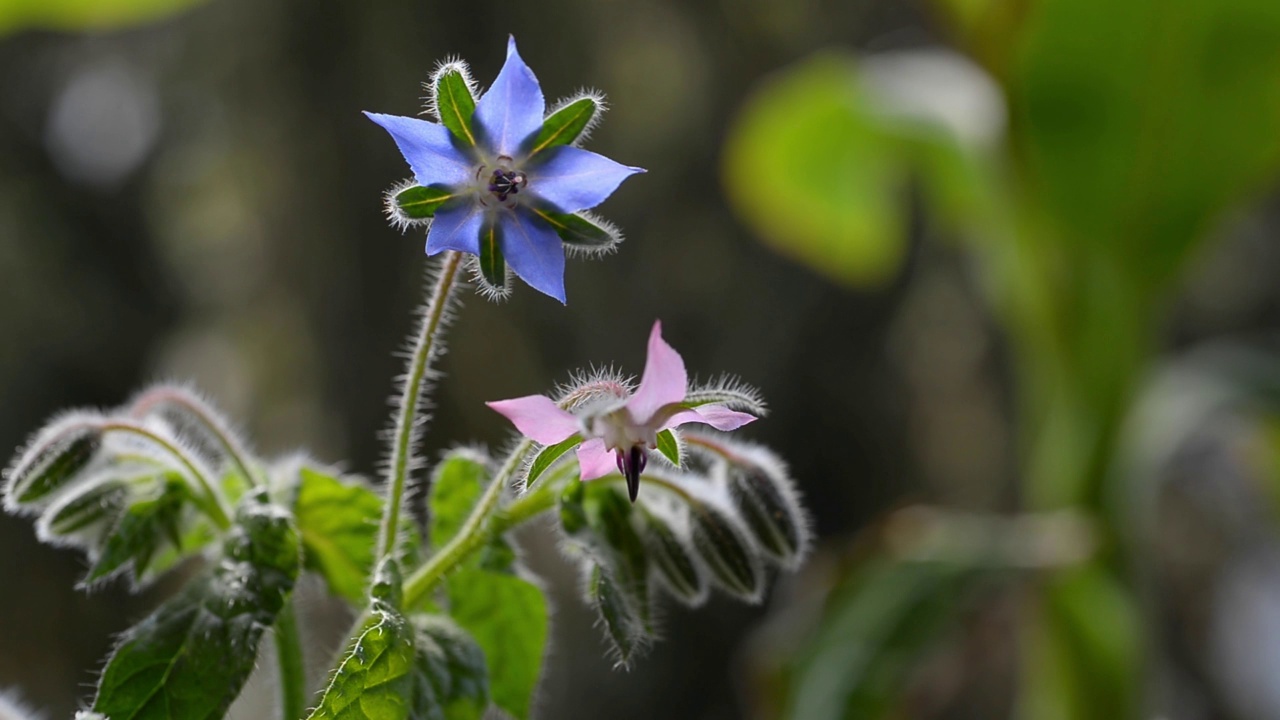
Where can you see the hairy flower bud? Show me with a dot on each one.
(673, 559)
(769, 511)
(55, 456)
(727, 552)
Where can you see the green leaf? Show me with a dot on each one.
(376, 679)
(455, 487)
(453, 665)
(578, 231)
(873, 632)
(493, 268)
(669, 446)
(454, 103)
(420, 203)
(85, 14)
(1142, 121)
(507, 616)
(190, 658)
(1085, 649)
(338, 522)
(144, 526)
(549, 455)
(565, 125)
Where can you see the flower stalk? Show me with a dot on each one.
(407, 423)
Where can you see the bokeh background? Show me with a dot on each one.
(1007, 273)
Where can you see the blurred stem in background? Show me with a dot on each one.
(1084, 154)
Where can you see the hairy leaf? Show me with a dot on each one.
(507, 616)
(455, 487)
(190, 658)
(144, 526)
(338, 523)
(624, 627)
(453, 665)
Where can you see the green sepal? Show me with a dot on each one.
(565, 125)
(577, 231)
(726, 551)
(338, 522)
(420, 203)
(549, 455)
(455, 104)
(673, 559)
(599, 517)
(191, 657)
(493, 267)
(669, 446)
(624, 627)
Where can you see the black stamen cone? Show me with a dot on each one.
(633, 466)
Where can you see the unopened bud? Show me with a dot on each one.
(52, 460)
(769, 512)
(727, 552)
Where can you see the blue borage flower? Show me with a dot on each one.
(501, 180)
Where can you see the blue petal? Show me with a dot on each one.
(428, 149)
(574, 179)
(512, 109)
(532, 248)
(456, 228)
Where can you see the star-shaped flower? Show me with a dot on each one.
(501, 181)
(619, 433)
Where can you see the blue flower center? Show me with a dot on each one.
(505, 183)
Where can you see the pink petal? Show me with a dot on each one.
(538, 417)
(664, 381)
(717, 416)
(594, 461)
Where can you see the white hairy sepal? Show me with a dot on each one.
(486, 289)
(129, 479)
(443, 67)
(729, 391)
(397, 217)
(592, 94)
(593, 384)
(577, 250)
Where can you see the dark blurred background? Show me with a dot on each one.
(197, 197)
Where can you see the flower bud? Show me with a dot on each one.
(52, 460)
(673, 558)
(624, 626)
(769, 511)
(727, 552)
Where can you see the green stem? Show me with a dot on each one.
(229, 445)
(411, 399)
(214, 504)
(293, 676)
(473, 533)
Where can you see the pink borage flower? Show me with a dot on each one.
(619, 433)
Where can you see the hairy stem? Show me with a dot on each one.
(213, 502)
(293, 676)
(411, 400)
(473, 533)
(230, 446)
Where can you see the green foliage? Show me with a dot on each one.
(454, 103)
(455, 487)
(565, 125)
(85, 14)
(141, 529)
(872, 632)
(420, 203)
(338, 522)
(453, 665)
(507, 616)
(190, 658)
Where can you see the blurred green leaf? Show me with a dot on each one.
(1084, 646)
(85, 14)
(548, 455)
(338, 522)
(508, 618)
(455, 487)
(873, 632)
(191, 657)
(453, 664)
(144, 526)
(1141, 120)
(816, 178)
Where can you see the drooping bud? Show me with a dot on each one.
(54, 458)
(625, 629)
(83, 515)
(770, 512)
(727, 552)
(673, 559)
